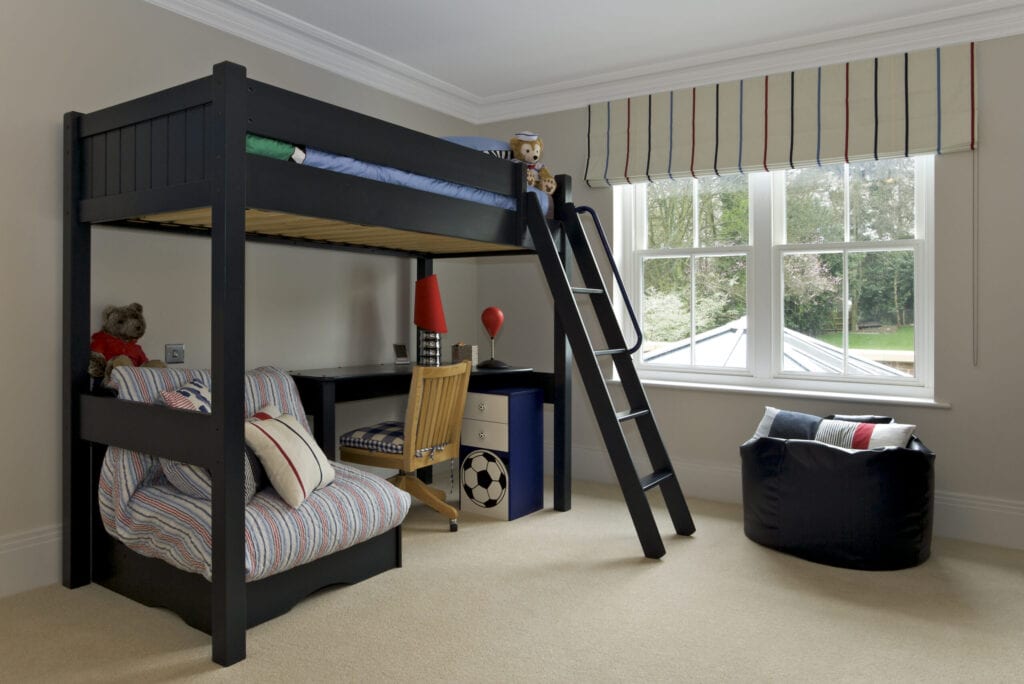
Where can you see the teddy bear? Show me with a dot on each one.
(116, 344)
(527, 148)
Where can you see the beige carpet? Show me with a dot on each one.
(568, 597)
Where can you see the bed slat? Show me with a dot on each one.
(143, 156)
(113, 163)
(158, 153)
(194, 149)
(176, 146)
(127, 154)
(98, 177)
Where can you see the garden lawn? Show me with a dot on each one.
(901, 338)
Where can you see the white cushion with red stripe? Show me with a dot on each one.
(291, 458)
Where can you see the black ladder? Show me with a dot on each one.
(634, 486)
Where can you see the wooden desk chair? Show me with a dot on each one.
(431, 433)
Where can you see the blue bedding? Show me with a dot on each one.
(385, 174)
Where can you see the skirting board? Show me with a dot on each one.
(982, 519)
(29, 559)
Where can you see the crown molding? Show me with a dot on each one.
(257, 23)
(974, 22)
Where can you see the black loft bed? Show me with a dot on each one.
(176, 161)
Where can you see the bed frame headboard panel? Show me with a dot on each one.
(137, 151)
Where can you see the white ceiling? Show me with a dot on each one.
(485, 61)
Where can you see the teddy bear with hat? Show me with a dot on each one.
(527, 147)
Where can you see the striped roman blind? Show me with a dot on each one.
(911, 103)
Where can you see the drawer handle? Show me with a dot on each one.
(481, 407)
(482, 435)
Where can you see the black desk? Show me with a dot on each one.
(321, 388)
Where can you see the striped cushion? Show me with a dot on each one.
(137, 383)
(853, 435)
(291, 457)
(196, 481)
(152, 518)
(263, 386)
(387, 437)
(192, 396)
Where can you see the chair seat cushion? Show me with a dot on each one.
(387, 436)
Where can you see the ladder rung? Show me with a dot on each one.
(587, 290)
(608, 352)
(629, 415)
(655, 478)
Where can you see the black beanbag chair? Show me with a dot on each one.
(868, 509)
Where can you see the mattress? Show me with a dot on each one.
(141, 509)
(309, 156)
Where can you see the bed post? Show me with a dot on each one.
(77, 453)
(562, 464)
(227, 190)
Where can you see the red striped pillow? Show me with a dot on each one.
(852, 435)
(291, 458)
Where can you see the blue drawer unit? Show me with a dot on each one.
(502, 455)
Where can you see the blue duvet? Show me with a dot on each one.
(385, 174)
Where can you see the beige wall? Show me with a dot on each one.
(305, 308)
(979, 471)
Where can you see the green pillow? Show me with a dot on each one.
(267, 147)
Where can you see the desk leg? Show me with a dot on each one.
(322, 411)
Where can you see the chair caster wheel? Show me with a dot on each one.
(453, 525)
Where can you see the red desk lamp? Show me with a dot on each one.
(429, 319)
(492, 318)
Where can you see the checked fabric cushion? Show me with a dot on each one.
(387, 436)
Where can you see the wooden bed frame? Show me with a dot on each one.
(175, 161)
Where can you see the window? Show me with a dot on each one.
(817, 279)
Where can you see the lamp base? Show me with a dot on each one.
(428, 348)
(492, 363)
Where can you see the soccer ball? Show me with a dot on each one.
(484, 479)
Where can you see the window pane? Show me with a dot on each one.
(666, 310)
(813, 308)
(721, 309)
(670, 214)
(881, 313)
(814, 205)
(724, 216)
(882, 200)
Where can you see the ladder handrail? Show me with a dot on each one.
(618, 278)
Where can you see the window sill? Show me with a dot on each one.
(844, 397)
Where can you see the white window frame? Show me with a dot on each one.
(765, 297)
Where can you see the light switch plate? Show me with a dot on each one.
(174, 353)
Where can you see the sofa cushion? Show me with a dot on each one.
(290, 456)
(264, 385)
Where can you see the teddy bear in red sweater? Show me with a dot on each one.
(117, 344)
